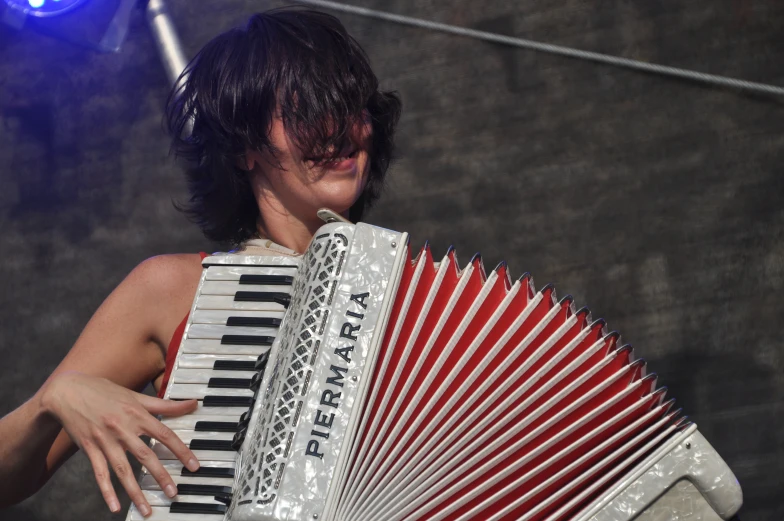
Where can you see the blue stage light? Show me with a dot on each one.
(99, 24)
(44, 8)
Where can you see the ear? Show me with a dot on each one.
(250, 161)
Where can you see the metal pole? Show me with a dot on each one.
(166, 39)
(169, 46)
(618, 61)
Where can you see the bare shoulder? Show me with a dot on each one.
(165, 285)
(155, 283)
(168, 272)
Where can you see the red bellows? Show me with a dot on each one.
(489, 400)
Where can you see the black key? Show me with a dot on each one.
(188, 489)
(267, 280)
(234, 365)
(211, 445)
(197, 508)
(263, 296)
(261, 362)
(224, 498)
(236, 443)
(229, 383)
(255, 382)
(227, 401)
(244, 420)
(207, 426)
(209, 472)
(253, 322)
(207, 263)
(247, 340)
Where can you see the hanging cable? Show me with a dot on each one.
(552, 49)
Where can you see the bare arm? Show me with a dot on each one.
(88, 400)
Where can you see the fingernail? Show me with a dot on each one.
(171, 490)
(145, 510)
(114, 505)
(193, 465)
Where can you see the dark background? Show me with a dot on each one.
(659, 203)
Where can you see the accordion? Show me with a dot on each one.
(356, 383)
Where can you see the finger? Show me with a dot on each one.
(157, 430)
(101, 471)
(167, 407)
(147, 457)
(122, 469)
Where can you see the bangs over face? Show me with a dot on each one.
(300, 65)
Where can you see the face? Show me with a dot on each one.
(299, 185)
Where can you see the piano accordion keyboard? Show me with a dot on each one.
(236, 315)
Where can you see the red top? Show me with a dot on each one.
(174, 346)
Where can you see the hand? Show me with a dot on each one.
(105, 420)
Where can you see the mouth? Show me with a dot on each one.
(344, 160)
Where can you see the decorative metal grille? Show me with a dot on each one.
(300, 339)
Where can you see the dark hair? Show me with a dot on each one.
(301, 62)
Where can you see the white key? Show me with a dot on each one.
(188, 422)
(187, 435)
(228, 302)
(206, 361)
(148, 482)
(218, 411)
(213, 331)
(234, 272)
(163, 514)
(158, 498)
(163, 452)
(174, 468)
(205, 346)
(220, 316)
(230, 287)
(199, 391)
(218, 455)
(202, 376)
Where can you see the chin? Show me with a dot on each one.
(340, 204)
(340, 192)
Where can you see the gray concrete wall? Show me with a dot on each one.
(656, 202)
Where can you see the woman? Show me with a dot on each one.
(287, 118)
